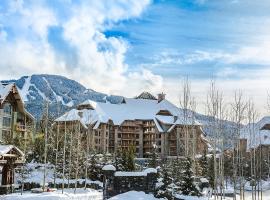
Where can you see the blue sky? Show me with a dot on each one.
(124, 47)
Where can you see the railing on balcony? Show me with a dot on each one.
(20, 127)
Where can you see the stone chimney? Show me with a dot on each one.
(161, 96)
(80, 113)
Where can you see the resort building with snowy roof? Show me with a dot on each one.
(145, 122)
(256, 137)
(15, 121)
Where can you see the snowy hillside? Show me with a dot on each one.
(58, 90)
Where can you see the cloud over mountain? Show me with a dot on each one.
(66, 37)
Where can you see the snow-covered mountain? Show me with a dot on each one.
(58, 90)
(64, 93)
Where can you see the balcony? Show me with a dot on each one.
(20, 127)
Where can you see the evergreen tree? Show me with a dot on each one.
(153, 160)
(204, 165)
(93, 169)
(38, 150)
(124, 160)
(118, 160)
(228, 168)
(130, 162)
(188, 186)
(211, 175)
(165, 189)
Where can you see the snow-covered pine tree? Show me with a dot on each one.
(153, 159)
(93, 169)
(164, 190)
(130, 162)
(118, 162)
(210, 174)
(188, 186)
(204, 165)
(124, 160)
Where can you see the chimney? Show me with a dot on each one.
(161, 96)
(80, 113)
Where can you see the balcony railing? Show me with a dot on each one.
(20, 127)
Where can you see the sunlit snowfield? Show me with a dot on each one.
(90, 194)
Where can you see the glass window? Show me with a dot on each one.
(6, 135)
(7, 108)
(6, 122)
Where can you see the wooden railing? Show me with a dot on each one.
(20, 127)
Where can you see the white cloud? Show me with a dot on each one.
(100, 61)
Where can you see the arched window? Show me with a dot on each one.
(7, 108)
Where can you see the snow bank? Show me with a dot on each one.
(81, 194)
(133, 195)
(109, 168)
(150, 170)
(120, 173)
(35, 173)
(184, 197)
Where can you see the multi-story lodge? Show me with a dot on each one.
(13, 116)
(256, 136)
(145, 122)
(14, 129)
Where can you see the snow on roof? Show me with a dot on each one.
(132, 109)
(255, 135)
(108, 168)
(4, 149)
(120, 173)
(150, 170)
(4, 90)
(142, 173)
(146, 95)
(204, 180)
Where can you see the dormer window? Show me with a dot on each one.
(164, 112)
(7, 108)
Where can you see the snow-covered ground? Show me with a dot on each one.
(248, 196)
(133, 195)
(35, 174)
(90, 194)
(81, 194)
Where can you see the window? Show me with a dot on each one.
(6, 122)
(182, 135)
(6, 135)
(7, 108)
(119, 135)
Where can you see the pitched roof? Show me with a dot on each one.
(132, 109)
(5, 90)
(254, 133)
(146, 95)
(5, 149)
